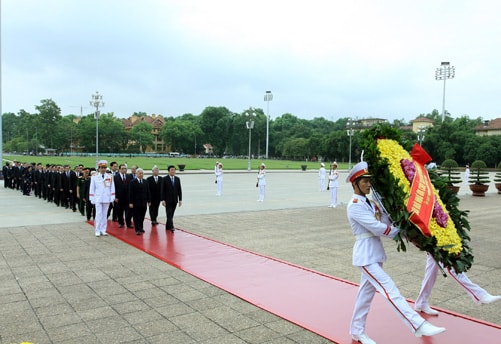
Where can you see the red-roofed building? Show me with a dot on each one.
(157, 121)
(489, 128)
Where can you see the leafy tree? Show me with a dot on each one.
(296, 148)
(180, 134)
(141, 134)
(48, 116)
(112, 135)
(215, 124)
(9, 126)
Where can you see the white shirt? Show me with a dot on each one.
(333, 178)
(368, 248)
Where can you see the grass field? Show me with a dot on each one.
(191, 163)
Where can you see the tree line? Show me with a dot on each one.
(290, 137)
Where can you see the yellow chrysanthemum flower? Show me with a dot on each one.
(447, 237)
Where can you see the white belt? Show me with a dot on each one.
(364, 236)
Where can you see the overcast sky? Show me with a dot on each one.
(332, 59)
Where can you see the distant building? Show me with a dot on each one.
(421, 123)
(489, 128)
(368, 122)
(157, 121)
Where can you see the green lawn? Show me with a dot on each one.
(191, 163)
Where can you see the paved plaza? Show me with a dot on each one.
(61, 284)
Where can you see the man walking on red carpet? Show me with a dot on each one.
(172, 194)
(368, 225)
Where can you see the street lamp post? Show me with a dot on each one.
(444, 72)
(268, 96)
(249, 124)
(420, 135)
(97, 102)
(349, 131)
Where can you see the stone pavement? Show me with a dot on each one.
(60, 284)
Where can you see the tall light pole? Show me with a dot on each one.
(268, 96)
(349, 131)
(420, 135)
(97, 102)
(444, 72)
(249, 124)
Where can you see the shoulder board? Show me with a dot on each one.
(355, 200)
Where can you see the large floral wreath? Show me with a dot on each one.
(418, 201)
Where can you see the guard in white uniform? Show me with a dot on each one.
(321, 176)
(101, 194)
(368, 224)
(333, 184)
(261, 182)
(477, 293)
(219, 180)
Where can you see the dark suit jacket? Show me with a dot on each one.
(139, 193)
(121, 188)
(72, 181)
(171, 194)
(155, 188)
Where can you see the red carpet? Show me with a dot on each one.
(320, 303)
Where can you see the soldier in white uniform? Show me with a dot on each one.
(101, 194)
(478, 294)
(321, 176)
(333, 184)
(219, 180)
(368, 225)
(261, 182)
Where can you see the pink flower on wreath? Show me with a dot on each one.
(439, 214)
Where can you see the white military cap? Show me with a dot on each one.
(102, 163)
(359, 170)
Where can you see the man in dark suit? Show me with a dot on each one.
(70, 188)
(128, 213)
(155, 186)
(111, 210)
(139, 200)
(171, 195)
(6, 175)
(59, 185)
(122, 211)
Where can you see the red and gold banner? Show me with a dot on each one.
(421, 200)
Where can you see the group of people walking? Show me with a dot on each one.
(98, 194)
(131, 195)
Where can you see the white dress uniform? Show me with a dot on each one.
(476, 292)
(261, 182)
(368, 254)
(321, 175)
(101, 194)
(219, 181)
(333, 185)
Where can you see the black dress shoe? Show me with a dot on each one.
(170, 229)
(120, 226)
(141, 230)
(129, 226)
(138, 233)
(153, 223)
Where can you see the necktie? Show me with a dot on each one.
(123, 178)
(156, 179)
(102, 175)
(172, 178)
(140, 181)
